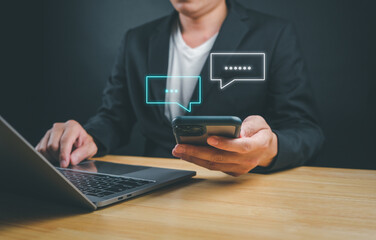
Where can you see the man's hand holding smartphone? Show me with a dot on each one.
(256, 146)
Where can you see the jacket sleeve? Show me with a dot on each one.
(291, 112)
(113, 122)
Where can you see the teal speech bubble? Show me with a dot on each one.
(160, 83)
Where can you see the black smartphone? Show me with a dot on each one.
(196, 129)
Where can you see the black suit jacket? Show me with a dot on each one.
(284, 99)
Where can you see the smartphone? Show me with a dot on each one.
(196, 129)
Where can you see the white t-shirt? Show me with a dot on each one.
(183, 61)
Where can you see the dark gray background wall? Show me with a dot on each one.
(59, 53)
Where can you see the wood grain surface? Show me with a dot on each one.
(301, 203)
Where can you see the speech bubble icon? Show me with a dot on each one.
(231, 67)
(156, 91)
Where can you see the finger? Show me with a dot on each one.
(42, 146)
(224, 167)
(68, 139)
(79, 141)
(53, 144)
(87, 150)
(239, 145)
(208, 153)
(252, 124)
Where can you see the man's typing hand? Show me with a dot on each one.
(67, 143)
(257, 146)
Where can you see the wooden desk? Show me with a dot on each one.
(302, 203)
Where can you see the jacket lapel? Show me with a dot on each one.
(158, 59)
(229, 38)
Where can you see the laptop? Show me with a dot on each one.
(90, 184)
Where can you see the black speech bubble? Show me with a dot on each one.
(232, 67)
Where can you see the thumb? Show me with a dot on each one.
(86, 150)
(253, 124)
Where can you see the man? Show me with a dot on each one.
(279, 128)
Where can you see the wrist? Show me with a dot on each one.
(272, 152)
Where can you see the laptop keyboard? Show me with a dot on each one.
(101, 185)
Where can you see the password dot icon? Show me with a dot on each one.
(238, 68)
